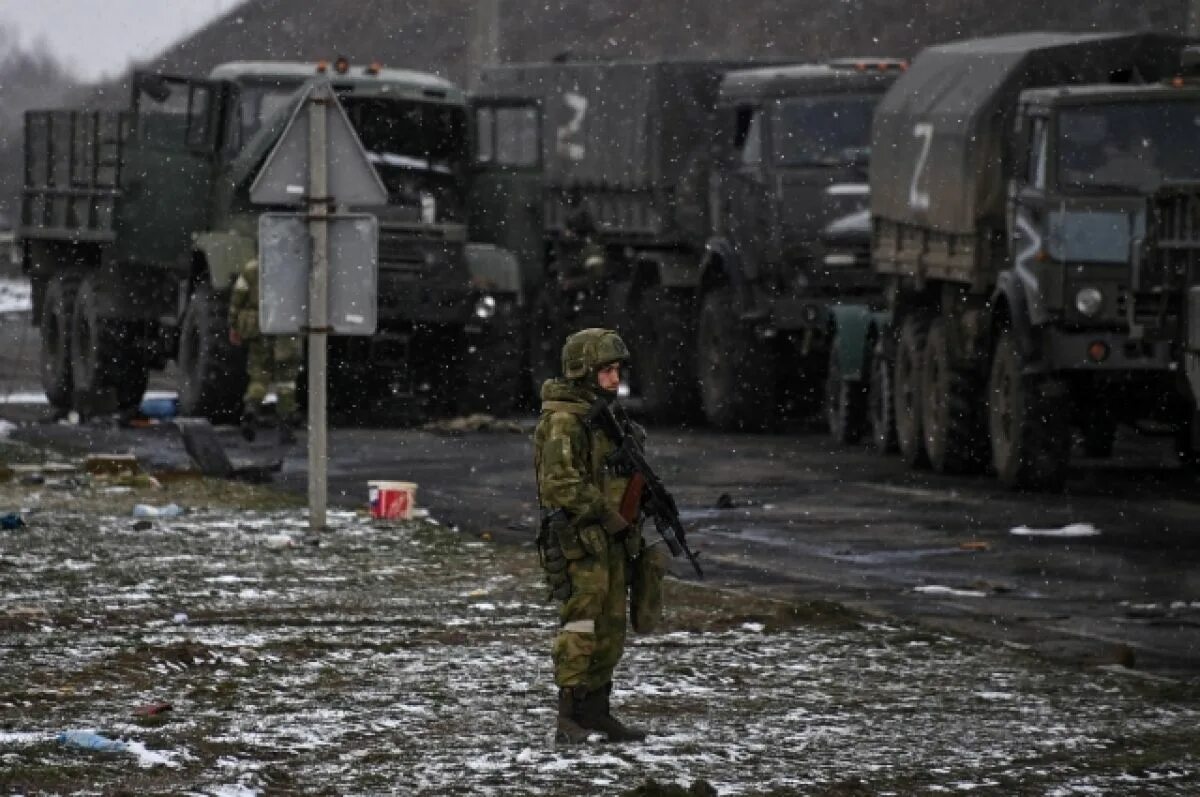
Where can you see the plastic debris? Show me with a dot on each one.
(1070, 530)
(11, 521)
(152, 709)
(90, 740)
(180, 618)
(147, 510)
(939, 589)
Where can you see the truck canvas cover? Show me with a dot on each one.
(636, 135)
(941, 135)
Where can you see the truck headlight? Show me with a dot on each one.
(485, 307)
(1089, 301)
(839, 259)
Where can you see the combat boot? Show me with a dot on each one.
(568, 730)
(596, 715)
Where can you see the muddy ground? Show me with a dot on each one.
(412, 659)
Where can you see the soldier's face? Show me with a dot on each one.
(609, 377)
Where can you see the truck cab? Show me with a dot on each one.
(791, 150)
(133, 266)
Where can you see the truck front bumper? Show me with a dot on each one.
(1102, 351)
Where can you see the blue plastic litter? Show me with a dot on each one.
(161, 408)
(90, 740)
(11, 521)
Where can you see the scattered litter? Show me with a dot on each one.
(110, 464)
(10, 521)
(279, 541)
(159, 407)
(152, 709)
(975, 545)
(142, 525)
(148, 510)
(1070, 530)
(486, 536)
(90, 740)
(724, 501)
(391, 500)
(477, 422)
(938, 589)
(6, 473)
(6, 428)
(179, 618)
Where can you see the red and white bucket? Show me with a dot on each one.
(392, 500)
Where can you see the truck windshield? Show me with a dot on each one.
(828, 130)
(1128, 147)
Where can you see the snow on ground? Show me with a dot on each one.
(411, 660)
(15, 295)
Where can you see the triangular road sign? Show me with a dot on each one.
(283, 179)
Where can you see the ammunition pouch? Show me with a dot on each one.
(646, 576)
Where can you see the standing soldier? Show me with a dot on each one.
(271, 361)
(590, 551)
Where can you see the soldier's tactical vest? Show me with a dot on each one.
(244, 302)
(612, 485)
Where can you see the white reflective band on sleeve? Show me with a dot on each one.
(581, 627)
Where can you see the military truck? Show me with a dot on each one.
(1009, 185)
(1167, 276)
(135, 223)
(706, 185)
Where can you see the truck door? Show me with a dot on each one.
(506, 195)
(746, 211)
(1027, 196)
(169, 165)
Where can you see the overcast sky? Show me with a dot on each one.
(99, 37)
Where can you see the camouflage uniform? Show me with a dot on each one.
(595, 540)
(271, 361)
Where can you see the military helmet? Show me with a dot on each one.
(587, 350)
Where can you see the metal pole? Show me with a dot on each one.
(318, 305)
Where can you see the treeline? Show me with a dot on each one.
(28, 79)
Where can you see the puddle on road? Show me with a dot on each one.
(411, 660)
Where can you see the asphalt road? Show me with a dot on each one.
(814, 521)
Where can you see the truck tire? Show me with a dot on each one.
(737, 378)
(1189, 457)
(1027, 422)
(58, 304)
(845, 401)
(492, 376)
(108, 364)
(212, 372)
(950, 419)
(907, 409)
(664, 357)
(881, 404)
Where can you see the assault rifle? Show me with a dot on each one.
(646, 493)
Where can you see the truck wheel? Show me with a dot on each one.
(845, 401)
(1189, 458)
(948, 415)
(664, 358)
(492, 375)
(108, 365)
(1027, 421)
(57, 307)
(737, 380)
(907, 410)
(881, 404)
(212, 371)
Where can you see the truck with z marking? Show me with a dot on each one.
(1012, 183)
